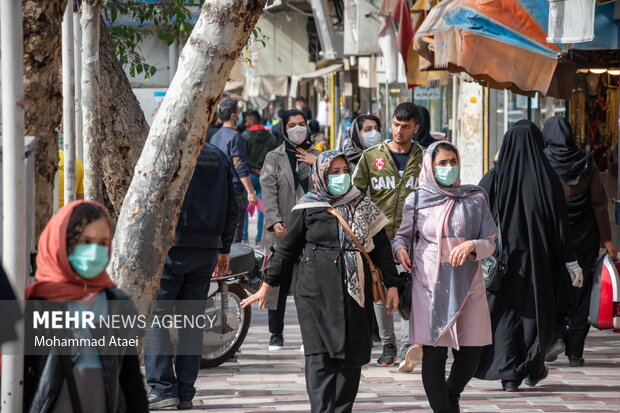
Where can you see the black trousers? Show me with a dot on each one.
(443, 395)
(572, 324)
(276, 317)
(242, 203)
(331, 387)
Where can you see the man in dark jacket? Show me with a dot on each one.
(229, 141)
(203, 238)
(258, 142)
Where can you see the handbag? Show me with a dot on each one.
(493, 267)
(404, 291)
(378, 292)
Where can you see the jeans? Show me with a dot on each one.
(242, 204)
(256, 184)
(186, 278)
(443, 395)
(385, 324)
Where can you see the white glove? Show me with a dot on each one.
(576, 274)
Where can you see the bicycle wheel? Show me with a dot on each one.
(227, 326)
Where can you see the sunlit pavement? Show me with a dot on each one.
(263, 381)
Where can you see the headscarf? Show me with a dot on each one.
(568, 161)
(423, 135)
(355, 148)
(464, 216)
(364, 218)
(301, 170)
(56, 279)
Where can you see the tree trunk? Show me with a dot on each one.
(42, 91)
(68, 104)
(148, 218)
(93, 185)
(122, 126)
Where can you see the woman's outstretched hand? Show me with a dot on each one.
(403, 258)
(392, 300)
(260, 296)
(460, 253)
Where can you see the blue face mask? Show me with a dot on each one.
(446, 175)
(89, 260)
(339, 184)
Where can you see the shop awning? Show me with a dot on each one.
(312, 75)
(501, 42)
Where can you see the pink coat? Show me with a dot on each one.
(472, 324)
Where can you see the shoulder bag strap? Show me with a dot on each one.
(67, 367)
(346, 227)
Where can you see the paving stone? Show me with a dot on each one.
(263, 381)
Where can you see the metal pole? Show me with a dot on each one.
(505, 112)
(13, 191)
(455, 106)
(77, 67)
(68, 103)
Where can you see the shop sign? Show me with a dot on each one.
(367, 72)
(427, 93)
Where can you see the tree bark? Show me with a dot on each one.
(42, 90)
(122, 126)
(148, 218)
(93, 186)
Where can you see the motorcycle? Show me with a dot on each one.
(227, 322)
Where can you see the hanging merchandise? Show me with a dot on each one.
(387, 43)
(571, 21)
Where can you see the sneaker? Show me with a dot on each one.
(156, 402)
(575, 361)
(555, 350)
(276, 342)
(186, 405)
(412, 358)
(388, 356)
(531, 381)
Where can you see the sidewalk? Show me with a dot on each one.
(262, 381)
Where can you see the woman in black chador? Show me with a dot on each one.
(527, 202)
(589, 229)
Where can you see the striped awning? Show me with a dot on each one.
(500, 42)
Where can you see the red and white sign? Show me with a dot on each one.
(379, 163)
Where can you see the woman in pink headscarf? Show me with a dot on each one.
(454, 230)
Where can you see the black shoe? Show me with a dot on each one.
(156, 402)
(510, 386)
(575, 361)
(555, 350)
(186, 405)
(276, 342)
(388, 355)
(533, 381)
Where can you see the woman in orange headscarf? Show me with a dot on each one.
(74, 250)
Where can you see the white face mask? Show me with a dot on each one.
(297, 135)
(372, 138)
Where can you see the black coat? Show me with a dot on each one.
(125, 392)
(330, 320)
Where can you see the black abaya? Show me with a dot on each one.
(574, 165)
(526, 195)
